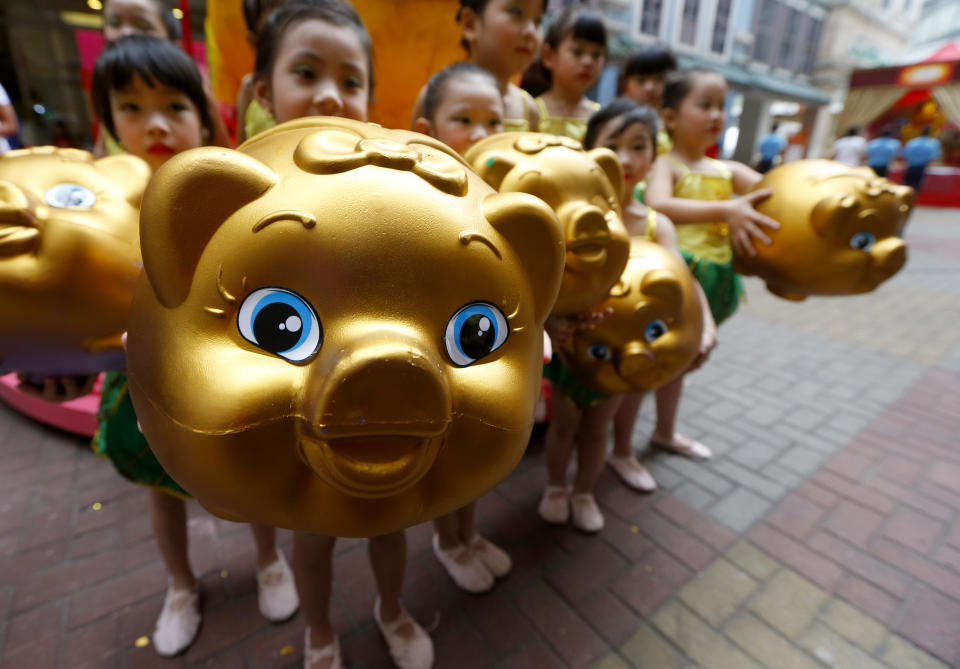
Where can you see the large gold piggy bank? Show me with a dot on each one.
(340, 327)
(69, 258)
(839, 230)
(583, 187)
(653, 331)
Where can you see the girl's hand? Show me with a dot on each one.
(745, 222)
(562, 328)
(708, 342)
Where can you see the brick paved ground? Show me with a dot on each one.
(826, 532)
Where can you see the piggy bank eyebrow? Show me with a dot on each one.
(308, 221)
(467, 237)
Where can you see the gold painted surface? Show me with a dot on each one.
(383, 237)
(840, 230)
(653, 332)
(69, 258)
(583, 187)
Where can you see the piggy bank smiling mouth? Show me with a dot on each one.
(371, 467)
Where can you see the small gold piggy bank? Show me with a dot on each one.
(839, 230)
(339, 328)
(69, 258)
(583, 187)
(653, 332)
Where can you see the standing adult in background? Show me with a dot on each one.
(850, 148)
(881, 150)
(9, 125)
(918, 153)
(771, 146)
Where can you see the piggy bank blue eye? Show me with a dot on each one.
(475, 331)
(862, 241)
(70, 196)
(600, 352)
(280, 322)
(655, 330)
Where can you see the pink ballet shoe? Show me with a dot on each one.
(327, 657)
(554, 505)
(410, 646)
(492, 556)
(632, 473)
(178, 623)
(276, 592)
(586, 514)
(464, 567)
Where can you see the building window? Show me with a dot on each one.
(720, 26)
(761, 30)
(813, 41)
(650, 17)
(789, 38)
(688, 26)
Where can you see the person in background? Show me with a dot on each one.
(771, 146)
(9, 125)
(574, 51)
(918, 153)
(881, 150)
(850, 148)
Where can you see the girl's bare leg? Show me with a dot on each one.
(313, 571)
(168, 514)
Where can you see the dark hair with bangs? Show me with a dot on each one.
(335, 12)
(631, 111)
(477, 6)
(253, 11)
(154, 59)
(651, 60)
(579, 24)
(437, 85)
(679, 84)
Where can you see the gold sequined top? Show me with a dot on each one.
(707, 240)
(574, 128)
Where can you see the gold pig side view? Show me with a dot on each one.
(69, 258)
(339, 327)
(653, 332)
(582, 187)
(839, 230)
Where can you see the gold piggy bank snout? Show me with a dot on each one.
(379, 419)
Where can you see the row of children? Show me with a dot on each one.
(314, 57)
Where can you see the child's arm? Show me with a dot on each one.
(743, 219)
(244, 98)
(745, 178)
(666, 236)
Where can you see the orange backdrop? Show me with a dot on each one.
(412, 39)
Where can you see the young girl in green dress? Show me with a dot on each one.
(149, 95)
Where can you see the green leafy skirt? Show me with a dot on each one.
(720, 284)
(119, 439)
(563, 381)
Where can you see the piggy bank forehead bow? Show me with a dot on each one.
(333, 146)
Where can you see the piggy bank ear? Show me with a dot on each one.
(129, 172)
(492, 166)
(827, 209)
(186, 201)
(532, 229)
(608, 162)
(663, 285)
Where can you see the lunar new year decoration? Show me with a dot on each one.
(653, 331)
(839, 230)
(340, 327)
(69, 259)
(583, 187)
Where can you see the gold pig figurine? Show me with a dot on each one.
(839, 230)
(653, 332)
(69, 258)
(583, 187)
(339, 328)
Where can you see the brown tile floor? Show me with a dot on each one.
(825, 532)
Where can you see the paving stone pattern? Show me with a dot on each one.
(825, 532)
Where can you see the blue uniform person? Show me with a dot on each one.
(918, 153)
